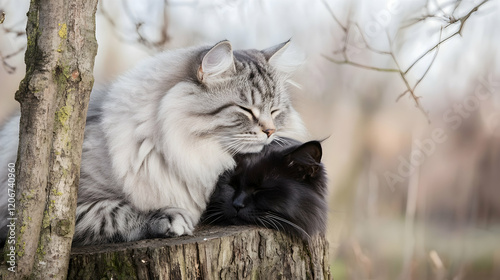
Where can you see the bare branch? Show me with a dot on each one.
(439, 14)
(401, 95)
(416, 98)
(368, 46)
(334, 17)
(462, 21)
(8, 67)
(10, 30)
(449, 20)
(140, 39)
(346, 61)
(430, 64)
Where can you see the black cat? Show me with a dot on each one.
(283, 187)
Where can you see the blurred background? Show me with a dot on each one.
(414, 185)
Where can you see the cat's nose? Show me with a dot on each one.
(269, 131)
(238, 205)
(239, 201)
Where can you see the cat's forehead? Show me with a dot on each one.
(258, 83)
(253, 64)
(262, 164)
(250, 56)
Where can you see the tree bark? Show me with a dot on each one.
(237, 252)
(54, 97)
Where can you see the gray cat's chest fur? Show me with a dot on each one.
(155, 154)
(152, 170)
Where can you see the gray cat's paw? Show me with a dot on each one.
(170, 222)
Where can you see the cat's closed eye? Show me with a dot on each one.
(249, 112)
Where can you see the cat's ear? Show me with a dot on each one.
(307, 158)
(216, 61)
(284, 58)
(307, 151)
(275, 52)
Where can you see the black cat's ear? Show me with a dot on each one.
(307, 151)
(216, 61)
(275, 51)
(306, 158)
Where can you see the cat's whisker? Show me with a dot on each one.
(216, 210)
(286, 140)
(263, 222)
(238, 150)
(275, 225)
(243, 137)
(237, 147)
(282, 141)
(268, 223)
(278, 224)
(278, 141)
(213, 209)
(212, 218)
(231, 146)
(236, 143)
(216, 219)
(289, 223)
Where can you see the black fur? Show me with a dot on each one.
(283, 188)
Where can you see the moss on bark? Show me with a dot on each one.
(54, 95)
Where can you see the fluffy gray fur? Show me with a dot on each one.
(158, 138)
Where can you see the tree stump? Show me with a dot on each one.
(235, 252)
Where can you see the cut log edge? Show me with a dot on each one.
(234, 252)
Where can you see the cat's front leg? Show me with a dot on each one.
(170, 222)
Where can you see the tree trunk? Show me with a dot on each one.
(54, 97)
(236, 252)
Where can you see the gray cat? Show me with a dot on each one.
(157, 140)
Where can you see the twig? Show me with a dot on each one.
(140, 39)
(346, 61)
(7, 30)
(449, 21)
(462, 21)
(430, 64)
(346, 28)
(8, 67)
(439, 15)
(333, 16)
(409, 89)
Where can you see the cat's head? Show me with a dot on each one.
(282, 188)
(242, 97)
